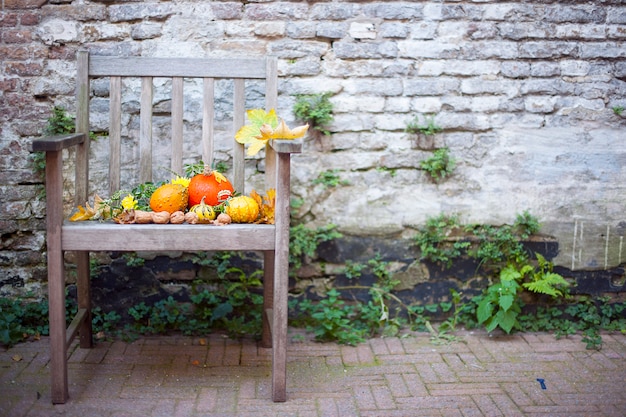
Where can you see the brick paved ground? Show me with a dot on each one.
(183, 376)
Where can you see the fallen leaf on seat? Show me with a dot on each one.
(266, 205)
(16, 358)
(83, 213)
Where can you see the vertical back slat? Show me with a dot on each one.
(115, 133)
(145, 131)
(271, 101)
(177, 125)
(208, 117)
(239, 109)
(82, 126)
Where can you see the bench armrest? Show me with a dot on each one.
(286, 145)
(57, 143)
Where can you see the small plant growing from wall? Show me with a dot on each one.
(424, 130)
(429, 127)
(59, 123)
(315, 109)
(440, 165)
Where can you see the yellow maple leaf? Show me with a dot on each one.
(264, 126)
(284, 132)
(83, 213)
(219, 177)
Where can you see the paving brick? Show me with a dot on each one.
(463, 389)
(415, 384)
(158, 376)
(364, 398)
(397, 385)
(506, 405)
(486, 405)
(394, 345)
(207, 400)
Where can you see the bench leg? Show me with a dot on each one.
(279, 329)
(83, 290)
(268, 298)
(281, 282)
(58, 347)
(56, 277)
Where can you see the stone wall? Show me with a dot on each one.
(524, 92)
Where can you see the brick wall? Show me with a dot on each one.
(523, 90)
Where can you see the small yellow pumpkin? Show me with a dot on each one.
(242, 209)
(205, 212)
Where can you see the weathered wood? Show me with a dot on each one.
(145, 130)
(83, 295)
(239, 115)
(268, 298)
(115, 133)
(82, 126)
(208, 117)
(57, 143)
(94, 236)
(78, 320)
(56, 276)
(177, 125)
(83, 237)
(281, 279)
(286, 145)
(251, 68)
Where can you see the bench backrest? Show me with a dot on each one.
(208, 72)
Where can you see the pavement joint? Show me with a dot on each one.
(516, 375)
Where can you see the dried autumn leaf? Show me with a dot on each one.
(284, 132)
(83, 213)
(266, 205)
(264, 126)
(219, 177)
(256, 118)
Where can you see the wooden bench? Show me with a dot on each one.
(83, 237)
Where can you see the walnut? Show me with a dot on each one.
(177, 217)
(162, 217)
(223, 219)
(143, 217)
(191, 218)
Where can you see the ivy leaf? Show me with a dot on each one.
(506, 319)
(484, 310)
(221, 311)
(506, 301)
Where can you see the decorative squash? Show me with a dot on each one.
(205, 212)
(170, 198)
(211, 185)
(242, 209)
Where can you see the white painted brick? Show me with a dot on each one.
(461, 67)
(575, 68)
(540, 104)
(363, 30)
(426, 104)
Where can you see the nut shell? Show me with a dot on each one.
(161, 217)
(177, 217)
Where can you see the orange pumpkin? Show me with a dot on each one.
(210, 185)
(170, 198)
